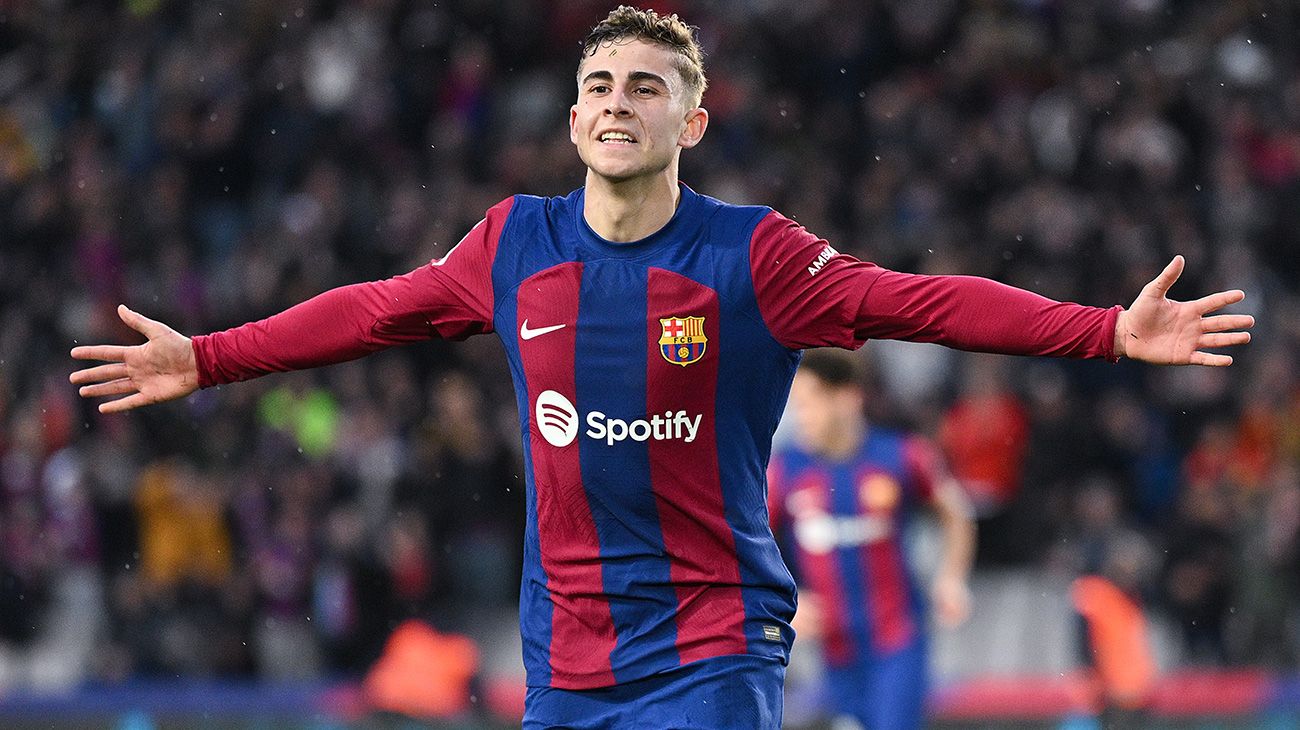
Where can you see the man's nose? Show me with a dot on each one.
(616, 105)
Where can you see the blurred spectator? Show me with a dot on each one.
(984, 434)
(1198, 574)
(183, 535)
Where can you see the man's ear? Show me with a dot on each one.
(697, 120)
(573, 118)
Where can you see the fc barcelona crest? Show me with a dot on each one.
(683, 340)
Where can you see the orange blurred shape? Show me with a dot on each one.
(1117, 638)
(423, 673)
(182, 525)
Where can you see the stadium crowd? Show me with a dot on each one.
(211, 163)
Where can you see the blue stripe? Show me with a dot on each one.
(852, 568)
(754, 375)
(534, 598)
(883, 450)
(519, 257)
(611, 379)
(891, 451)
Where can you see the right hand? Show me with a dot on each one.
(161, 369)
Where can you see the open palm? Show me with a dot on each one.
(161, 369)
(1163, 331)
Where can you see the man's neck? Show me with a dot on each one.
(845, 441)
(630, 210)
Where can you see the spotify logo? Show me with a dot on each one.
(556, 418)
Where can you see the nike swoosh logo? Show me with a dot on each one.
(527, 334)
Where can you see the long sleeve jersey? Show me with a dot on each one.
(649, 378)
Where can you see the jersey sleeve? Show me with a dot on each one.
(450, 298)
(925, 468)
(810, 295)
(982, 315)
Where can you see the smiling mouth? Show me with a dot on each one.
(617, 138)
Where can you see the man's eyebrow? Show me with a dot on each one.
(647, 76)
(633, 76)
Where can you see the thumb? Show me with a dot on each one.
(1160, 285)
(140, 323)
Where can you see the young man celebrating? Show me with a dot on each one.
(652, 333)
(843, 499)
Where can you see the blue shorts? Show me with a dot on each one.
(735, 691)
(883, 693)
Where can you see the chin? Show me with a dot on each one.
(622, 172)
(617, 174)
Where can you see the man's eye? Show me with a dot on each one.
(599, 89)
(645, 90)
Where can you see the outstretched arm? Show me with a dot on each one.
(1162, 331)
(161, 369)
(450, 297)
(335, 326)
(810, 295)
(982, 315)
(951, 589)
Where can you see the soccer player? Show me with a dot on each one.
(843, 498)
(652, 333)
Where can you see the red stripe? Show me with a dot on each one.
(821, 571)
(688, 491)
(886, 582)
(582, 629)
(922, 462)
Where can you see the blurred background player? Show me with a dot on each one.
(842, 498)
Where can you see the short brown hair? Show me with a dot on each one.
(835, 368)
(626, 23)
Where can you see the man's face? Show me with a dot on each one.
(632, 113)
(822, 411)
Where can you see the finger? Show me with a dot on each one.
(148, 327)
(1218, 300)
(1160, 285)
(1223, 339)
(1225, 322)
(113, 353)
(121, 386)
(124, 404)
(98, 374)
(1210, 359)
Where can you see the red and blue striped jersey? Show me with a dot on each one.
(844, 524)
(649, 378)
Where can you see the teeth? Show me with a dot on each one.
(615, 136)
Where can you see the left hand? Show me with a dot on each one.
(1162, 331)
